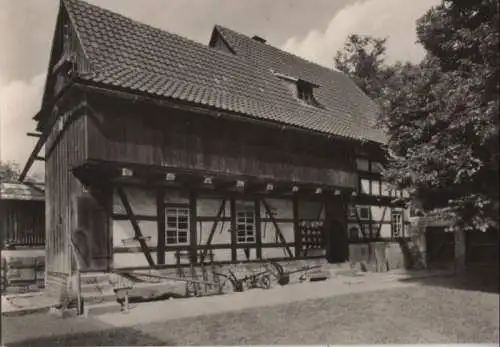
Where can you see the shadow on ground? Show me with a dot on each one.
(482, 281)
(49, 330)
(111, 337)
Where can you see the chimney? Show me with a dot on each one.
(259, 39)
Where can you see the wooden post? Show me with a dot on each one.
(258, 229)
(193, 239)
(233, 229)
(296, 229)
(160, 212)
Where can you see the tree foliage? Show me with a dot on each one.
(441, 115)
(9, 171)
(362, 59)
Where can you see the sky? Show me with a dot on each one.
(313, 29)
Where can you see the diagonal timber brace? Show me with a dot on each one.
(358, 220)
(135, 225)
(381, 221)
(214, 227)
(278, 230)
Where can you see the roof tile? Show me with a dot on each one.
(138, 57)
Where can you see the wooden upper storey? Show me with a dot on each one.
(148, 97)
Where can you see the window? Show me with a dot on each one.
(397, 223)
(305, 92)
(177, 225)
(245, 224)
(364, 213)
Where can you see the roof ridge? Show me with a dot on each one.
(238, 58)
(143, 24)
(281, 50)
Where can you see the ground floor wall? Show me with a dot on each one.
(218, 228)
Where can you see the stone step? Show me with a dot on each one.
(101, 308)
(98, 277)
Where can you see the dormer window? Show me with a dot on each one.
(305, 92)
(304, 89)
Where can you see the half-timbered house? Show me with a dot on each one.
(235, 151)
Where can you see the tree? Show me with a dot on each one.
(362, 59)
(441, 115)
(9, 171)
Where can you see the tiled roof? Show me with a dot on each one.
(127, 54)
(21, 191)
(342, 98)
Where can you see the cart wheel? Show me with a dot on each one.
(265, 282)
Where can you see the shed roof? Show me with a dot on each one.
(130, 55)
(22, 191)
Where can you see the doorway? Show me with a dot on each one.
(337, 245)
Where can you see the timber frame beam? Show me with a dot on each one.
(278, 230)
(137, 230)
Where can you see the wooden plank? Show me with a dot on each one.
(258, 229)
(233, 229)
(160, 213)
(209, 146)
(278, 230)
(138, 217)
(135, 226)
(193, 239)
(213, 219)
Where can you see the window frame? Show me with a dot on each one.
(186, 212)
(395, 224)
(305, 93)
(366, 208)
(242, 221)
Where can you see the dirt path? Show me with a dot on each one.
(183, 308)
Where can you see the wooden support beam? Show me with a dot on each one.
(160, 214)
(214, 228)
(278, 230)
(34, 134)
(39, 158)
(233, 229)
(296, 228)
(135, 226)
(193, 239)
(258, 229)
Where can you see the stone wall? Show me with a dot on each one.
(405, 253)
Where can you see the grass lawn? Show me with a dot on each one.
(419, 314)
